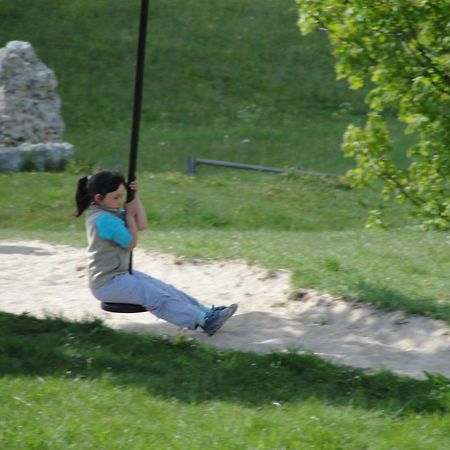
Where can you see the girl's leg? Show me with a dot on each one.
(143, 290)
(171, 290)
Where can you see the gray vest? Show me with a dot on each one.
(105, 258)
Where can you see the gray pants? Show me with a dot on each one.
(159, 298)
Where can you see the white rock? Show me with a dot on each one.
(30, 110)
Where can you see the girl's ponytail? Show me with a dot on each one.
(82, 196)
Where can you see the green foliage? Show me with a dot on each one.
(400, 50)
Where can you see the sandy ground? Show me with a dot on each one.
(47, 280)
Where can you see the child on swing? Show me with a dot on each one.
(112, 233)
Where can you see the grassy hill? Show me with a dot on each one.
(231, 80)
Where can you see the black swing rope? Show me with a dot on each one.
(139, 81)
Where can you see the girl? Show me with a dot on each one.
(112, 233)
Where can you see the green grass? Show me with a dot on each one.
(224, 80)
(83, 386)
(165, 148)
(234, 81)
(230, 80)
(212, 62)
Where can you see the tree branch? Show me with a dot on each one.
(427, 61)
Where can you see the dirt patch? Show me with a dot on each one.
(44, 279)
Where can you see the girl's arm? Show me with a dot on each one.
(138, 208)
(141, 216)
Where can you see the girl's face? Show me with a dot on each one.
(112, 200)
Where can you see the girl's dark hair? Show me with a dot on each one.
(100, 183)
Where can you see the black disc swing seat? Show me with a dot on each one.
(122, 307)
(129, 307)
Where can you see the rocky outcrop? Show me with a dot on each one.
(31, 126)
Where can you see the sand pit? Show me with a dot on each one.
(43, 279)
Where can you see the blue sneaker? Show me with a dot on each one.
(216, 317)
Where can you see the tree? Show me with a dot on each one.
(400, 51)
